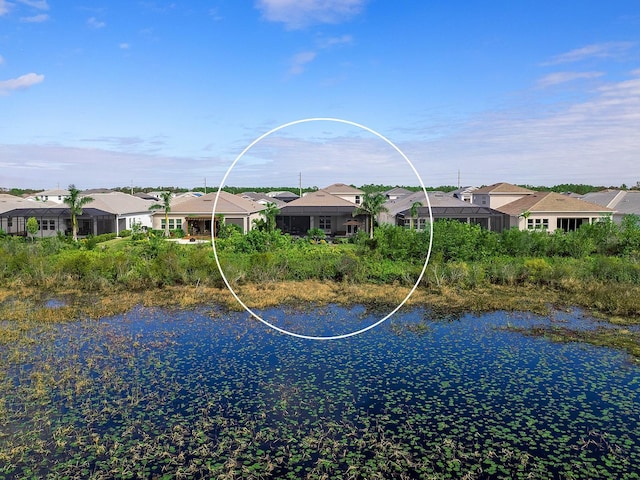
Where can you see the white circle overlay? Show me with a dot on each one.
(299, 335)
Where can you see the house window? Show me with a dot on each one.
(52, 224)
(357, 199)
(538, 223)
(324, 223)
(422, 223)
(9, 222)
(570, 224)
(172, 224)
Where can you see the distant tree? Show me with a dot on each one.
(75, 203)
(32, 227)
(165, 197)
(372, 205)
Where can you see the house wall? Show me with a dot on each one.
(175, 221)
(549, 221)
(353, 198)
(145, 220)
(495, 200)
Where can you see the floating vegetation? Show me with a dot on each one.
(209, 393)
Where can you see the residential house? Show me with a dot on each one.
(551, 211)
(396, 193)
(11, 224)
(284, 196)
(498, 194)
(321, 209)
(464, 193)
(622, 202)
(55, 196)
(346, 192)
(127, 210)
(262, 198)
(194, 215)
(109, 212)
(443, 206)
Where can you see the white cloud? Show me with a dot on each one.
(20, 83)
(324, 153)
(589, 141)
(598, 50)
(333, 41)
(93, 22)
(124, 46)
(37, 4)
(43, 17)
(98, 167)
(297, 14)
(299, 62)
(4, 7)
(563, 77)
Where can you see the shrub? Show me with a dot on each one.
(538, 270)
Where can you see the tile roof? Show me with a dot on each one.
(551, 202)
(227, 204)
(320, 198)
(503, 187)
(622, 201)
(11, 202)
(119, 203)
(342, 189)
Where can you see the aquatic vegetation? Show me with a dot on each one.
(211, 393)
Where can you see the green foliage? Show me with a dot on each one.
(453, 240)
(315, 234)
(463, 255)
(32, 227)
(228, 230)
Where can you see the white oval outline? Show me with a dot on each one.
(215, 252)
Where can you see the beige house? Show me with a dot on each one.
(551, 211)
(346, 192)
(195, 215)
(499, 194)
(321, 209)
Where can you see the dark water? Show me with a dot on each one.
(212, 394)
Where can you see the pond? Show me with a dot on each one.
(207, 393)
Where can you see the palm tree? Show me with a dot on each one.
(269, 215)
(414, 212)
(166, 206)
(372, 205)
(75, 203)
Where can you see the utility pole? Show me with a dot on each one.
(131, 186)
(458, 178)
(205, 185)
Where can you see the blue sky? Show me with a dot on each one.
(110, 93)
